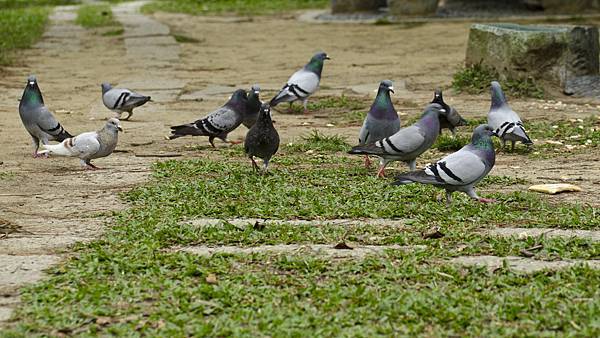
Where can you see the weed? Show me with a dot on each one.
(95, 15)
(250, 7)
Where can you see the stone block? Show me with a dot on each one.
(557, 54)
(412, 7)
(351, 6)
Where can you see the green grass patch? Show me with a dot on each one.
(476, 80)
(20, 27)
(11, 4)
(131, 282)
(95, 15)
(114, 32)
(185, 39)
(317, 141)
(248, 7)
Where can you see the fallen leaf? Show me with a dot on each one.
(433, 233)
(211, 279)
(342, 246)
(554, 188)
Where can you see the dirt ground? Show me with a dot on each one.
(52, 203)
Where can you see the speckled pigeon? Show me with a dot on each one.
(90, 145)
(462, 170)
(262, 139)
(122, 100)
(302, 83)
(382, 119)
(253, 106)
(505, 122)
(218, 123)
(37, 119)
(453, 119)
(408, 143)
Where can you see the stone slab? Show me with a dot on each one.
(241, 222)
(20, 270)
(521, 264)
(546, 232)
(300, 249)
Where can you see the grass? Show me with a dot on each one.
(20, 27)
(130, 282)
(249, 7)
(476, 80)
(316, 141)
(95, 15)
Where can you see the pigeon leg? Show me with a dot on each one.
(254, 165)
(448, 198)
(129, 113)
(474, 196)
(211, 140)
(453, 131)
(290, 107)
(381, 171)
(233, 142)
(512, 146)
(36, 146)
(367, 161)
(305, 105)
(412, 165)
(266, 165)
(87, 165)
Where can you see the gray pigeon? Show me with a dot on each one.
(382, 119)
(462, 170)
(302, 83)
(253, 106)
(262, 139)
(90, 145)
(37, 119)
(218, 123)
(122, 100)
(408, 143)
(505, 122)
(453, 119)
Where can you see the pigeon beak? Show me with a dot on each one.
(391, 89)
(327, 58)
(120, 128)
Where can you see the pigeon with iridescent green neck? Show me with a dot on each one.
(302, 83)
(382, 119)
(37, 119)
(505, 122)
(462, 170)
(408, 143)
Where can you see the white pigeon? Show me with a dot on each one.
(504, 121)
(122, 100)
(90, 145)
(302, 83)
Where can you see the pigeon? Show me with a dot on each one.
(253, 107)
(462, 170)
(90, 145)
(302, 83)
(382, 119)
(408, 143)
(262, 139)
(505, 122)
(218, 123)
(122, 100)
(37, 119)
(453, 119)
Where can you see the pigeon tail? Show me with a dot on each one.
(63, 136)
(279, 99)
(369, 149)
(189, 129)
(62, 149)
(416, 176)
(519, 132)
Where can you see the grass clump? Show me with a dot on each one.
(476, 80)
(95, 15)
(317, 141)
(20, 27)
(249, 7)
